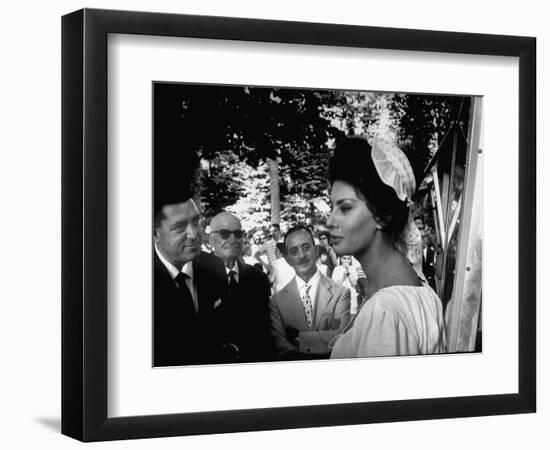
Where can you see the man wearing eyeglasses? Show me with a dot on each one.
(245, 306)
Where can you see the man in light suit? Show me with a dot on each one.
(310, 310)
(246, 300)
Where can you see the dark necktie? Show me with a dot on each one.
(232, 279)
(187, 304)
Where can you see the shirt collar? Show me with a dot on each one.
(235, 268)
(312, 282)
(172, 270)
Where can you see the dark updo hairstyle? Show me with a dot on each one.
(352, 163)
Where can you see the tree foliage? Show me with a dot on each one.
(424, 120)
(235, 130)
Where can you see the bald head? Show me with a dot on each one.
(224, 220)
(226, 237)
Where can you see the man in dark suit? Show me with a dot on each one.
(310, 310)
(188, 287)
(246, 300)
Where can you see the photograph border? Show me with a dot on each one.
(84, 224)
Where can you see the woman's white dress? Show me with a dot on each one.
(397, 320)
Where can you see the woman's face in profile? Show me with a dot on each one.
(352, 224)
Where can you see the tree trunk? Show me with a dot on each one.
(274, 191)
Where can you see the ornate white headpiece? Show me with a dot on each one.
(394, 168)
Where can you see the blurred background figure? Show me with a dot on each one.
(268, 248)
(247, 255)
(327, 256)
(281, 272)
(346, 275)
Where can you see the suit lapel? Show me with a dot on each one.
(323, 298)
(210, 280)
(294, 305)
(162, 277)
(243, 272)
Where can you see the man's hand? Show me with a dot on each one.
(293, 336)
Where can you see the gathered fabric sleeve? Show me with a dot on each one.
(382, 334)
(398, 320)
(377, 331)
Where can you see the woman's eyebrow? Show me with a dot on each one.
(345, 200)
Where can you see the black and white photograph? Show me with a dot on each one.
(280, 224)
(259, 225)
(294, 224)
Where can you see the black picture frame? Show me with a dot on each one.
(84, 224)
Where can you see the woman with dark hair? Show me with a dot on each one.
(325, 253)
(371, 187)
